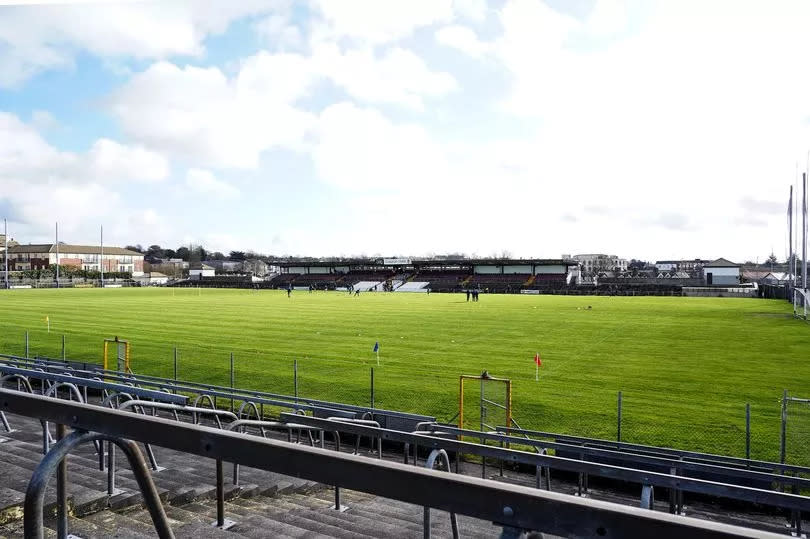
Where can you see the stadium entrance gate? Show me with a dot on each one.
(484, 402)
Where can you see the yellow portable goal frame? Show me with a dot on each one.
(483, 379)
(126, 357)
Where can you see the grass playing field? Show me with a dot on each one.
(686, 366)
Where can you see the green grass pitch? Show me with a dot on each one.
(686, 366)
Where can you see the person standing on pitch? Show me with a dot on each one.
(289, 289)
(468, 294)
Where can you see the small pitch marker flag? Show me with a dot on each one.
(537, 363)
(376, 350)
(48, 321)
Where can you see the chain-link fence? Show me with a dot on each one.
(760, 431)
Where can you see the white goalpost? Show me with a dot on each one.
(800, 299)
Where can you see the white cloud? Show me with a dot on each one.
(475, 10)
(22, 149)
(41, 184)
(279, 29)
(205, 183)
(398, 76)
(377, 22)
(36, 38)
(111, 161)
(360, 149)
(43, 120)
(202, 114)
(462, 38)
(197, 113)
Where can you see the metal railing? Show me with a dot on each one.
(513, 507)
(389, 418)
(648, 466)
(447, 439)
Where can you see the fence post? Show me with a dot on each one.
(619, 417)
(175, 366)
(748, 430)
(64, 357)
(232, 382)
(26, 345)
(295, 380)
(372, 388)
(783, 431)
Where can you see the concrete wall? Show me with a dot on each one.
(724, 292)
(722, 280)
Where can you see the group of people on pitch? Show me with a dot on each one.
(473, 293)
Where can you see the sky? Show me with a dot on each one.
(646, 129)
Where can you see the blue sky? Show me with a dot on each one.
(669, 129)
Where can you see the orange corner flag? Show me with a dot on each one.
(537, 360)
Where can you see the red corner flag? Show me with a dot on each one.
(537, 364)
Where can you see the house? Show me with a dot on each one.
(721, 272)
(201, 270)
(680, 265)
(596, 263)
(80, 257)
(153, 278)
(775, 277)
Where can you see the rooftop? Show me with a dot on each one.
(73, 249)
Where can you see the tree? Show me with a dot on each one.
(168, 253)
(237, 256)
(198, 254)
(217, 256)
(772, 259)
(137, 248)
(155, 251)
(183, 253)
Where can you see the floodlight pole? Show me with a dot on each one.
(5, 250)
(790, 237)
(101, 260)
(804, 232)
(57, 255)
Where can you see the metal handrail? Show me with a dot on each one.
(694, 456)
(221, 391)
(56, 458)
(508, 505)
(701, 486)
(652, 460)
(430, 464)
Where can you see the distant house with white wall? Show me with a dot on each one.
(721, 272)
(201, 270)
(153, 278)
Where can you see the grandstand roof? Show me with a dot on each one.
(430, 262)
(73, 249)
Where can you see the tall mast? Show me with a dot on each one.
(57, 255)
(791, 276)
(101, 260)
(5, 250)
(804, 230)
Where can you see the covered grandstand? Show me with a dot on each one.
(414, 275)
